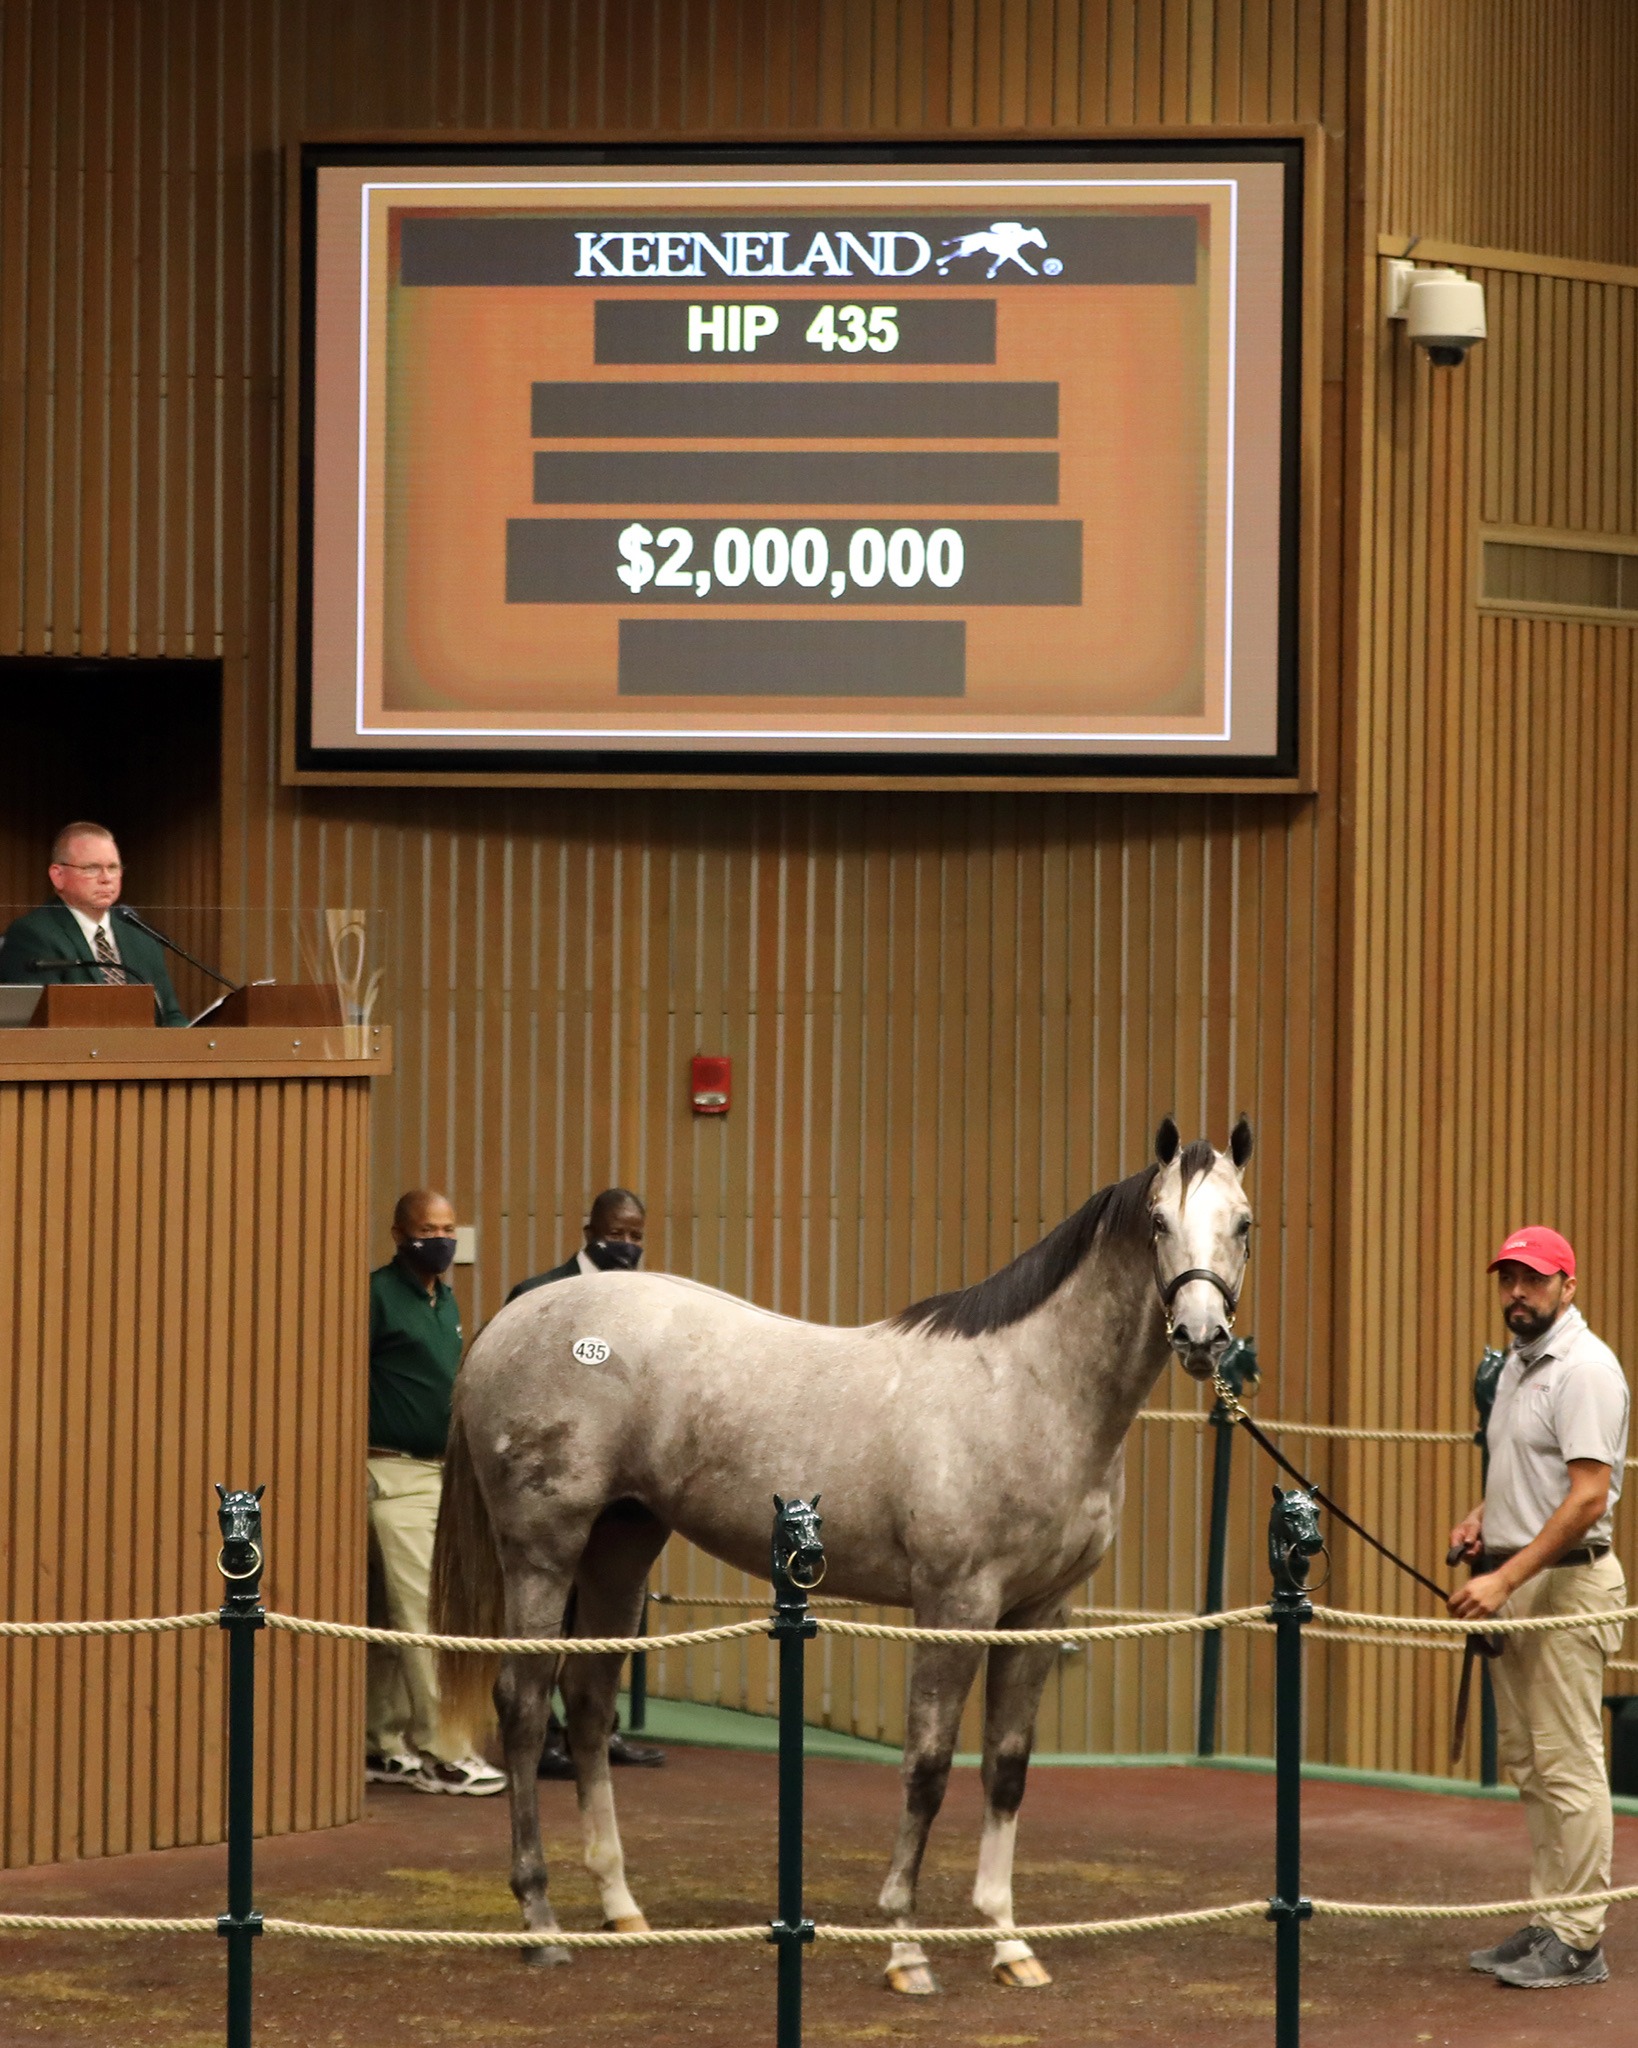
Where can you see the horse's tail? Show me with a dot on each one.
(468, 1596)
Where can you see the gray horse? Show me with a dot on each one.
(969, 1451)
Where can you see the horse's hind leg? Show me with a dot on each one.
(535, 1600)
(940, 1679)
(1012, 1697)
(610, 1585)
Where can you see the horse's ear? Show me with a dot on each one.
(1240, 1144)
(779, 1505)
(814, 1502)
(1167, 1140)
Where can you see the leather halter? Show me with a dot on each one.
(1169, 1290)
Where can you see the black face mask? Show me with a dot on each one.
(613, 1254)
(431, 1254)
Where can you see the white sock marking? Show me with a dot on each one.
(604, 1857)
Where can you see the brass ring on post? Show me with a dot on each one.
(221, 1563)
(807, 1585)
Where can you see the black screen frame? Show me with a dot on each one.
(767, 767)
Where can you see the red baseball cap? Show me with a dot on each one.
(1539, 1248)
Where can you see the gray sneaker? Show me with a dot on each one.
(1513, 1950)
(1553, 1964)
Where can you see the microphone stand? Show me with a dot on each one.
(122, 910)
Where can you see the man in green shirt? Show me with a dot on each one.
(415, 1351)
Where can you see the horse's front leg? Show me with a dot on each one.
(1012, 1697)
(941, 1677)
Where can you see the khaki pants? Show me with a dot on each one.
(1550, 1720)
(402, 1710)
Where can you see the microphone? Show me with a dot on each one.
(58, 965)
(124, 911)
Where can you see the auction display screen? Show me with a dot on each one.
(977, 466)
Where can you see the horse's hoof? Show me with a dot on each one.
(628, 1923)
(548, 1957)
(914, 1980)
(1028, 1973)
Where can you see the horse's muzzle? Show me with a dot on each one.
(1198, 1351)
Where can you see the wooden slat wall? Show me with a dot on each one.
(182, 1280)
(1493, 871)
(950, 1016)
(1509, 123)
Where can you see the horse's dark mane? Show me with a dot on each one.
(1118, 1213)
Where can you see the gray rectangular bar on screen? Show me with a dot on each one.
(724, 408)
(803, 477)
(581, 561)
(793, 658)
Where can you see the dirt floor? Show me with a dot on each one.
(700, 1844)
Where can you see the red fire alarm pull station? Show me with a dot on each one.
(711, 1083)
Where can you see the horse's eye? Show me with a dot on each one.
(1243, 1227)
(1162, 1227)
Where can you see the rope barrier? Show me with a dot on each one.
(1336, 1430)
(92, 1923)
(1024, 1638)
(764, 1605)
(1538, 1624)
(1483, 1910)
(150, 1625)
(516, 1646)
(537, 1937)
(746, 1936)
(1330, 1625)
(1393, 1631)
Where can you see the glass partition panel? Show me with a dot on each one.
(340, 949)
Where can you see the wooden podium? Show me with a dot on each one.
(184, 1299)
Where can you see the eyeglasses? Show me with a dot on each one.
(102, 871)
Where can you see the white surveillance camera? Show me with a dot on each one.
(1443, 311)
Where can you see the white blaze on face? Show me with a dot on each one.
(1205, 1229)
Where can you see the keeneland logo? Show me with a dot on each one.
(769, 252)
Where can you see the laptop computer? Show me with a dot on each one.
(17, 1001)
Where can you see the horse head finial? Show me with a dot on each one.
(1293, 1538)
(798, 1553)
(240, 1518)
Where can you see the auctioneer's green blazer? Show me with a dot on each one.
(53, 933)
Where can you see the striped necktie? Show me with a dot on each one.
(107, 959)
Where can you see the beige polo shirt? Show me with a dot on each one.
(1562, 1397)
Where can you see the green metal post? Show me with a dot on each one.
(1484, 1399)
(240, 1563)
(1239, 1365)
(798, 1566)
(1293, 1539)
(637, 1717)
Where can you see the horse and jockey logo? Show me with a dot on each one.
(1006, 241)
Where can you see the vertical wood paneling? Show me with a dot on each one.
(178, 1306)
(951, 1017)
(1508, 123)
(1493, 860)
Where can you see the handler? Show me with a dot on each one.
(415, 1350)
(1540, 1544)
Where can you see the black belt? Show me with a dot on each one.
(1589, 1553)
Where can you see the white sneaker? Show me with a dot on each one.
(396, 1767)
(471, 1775)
